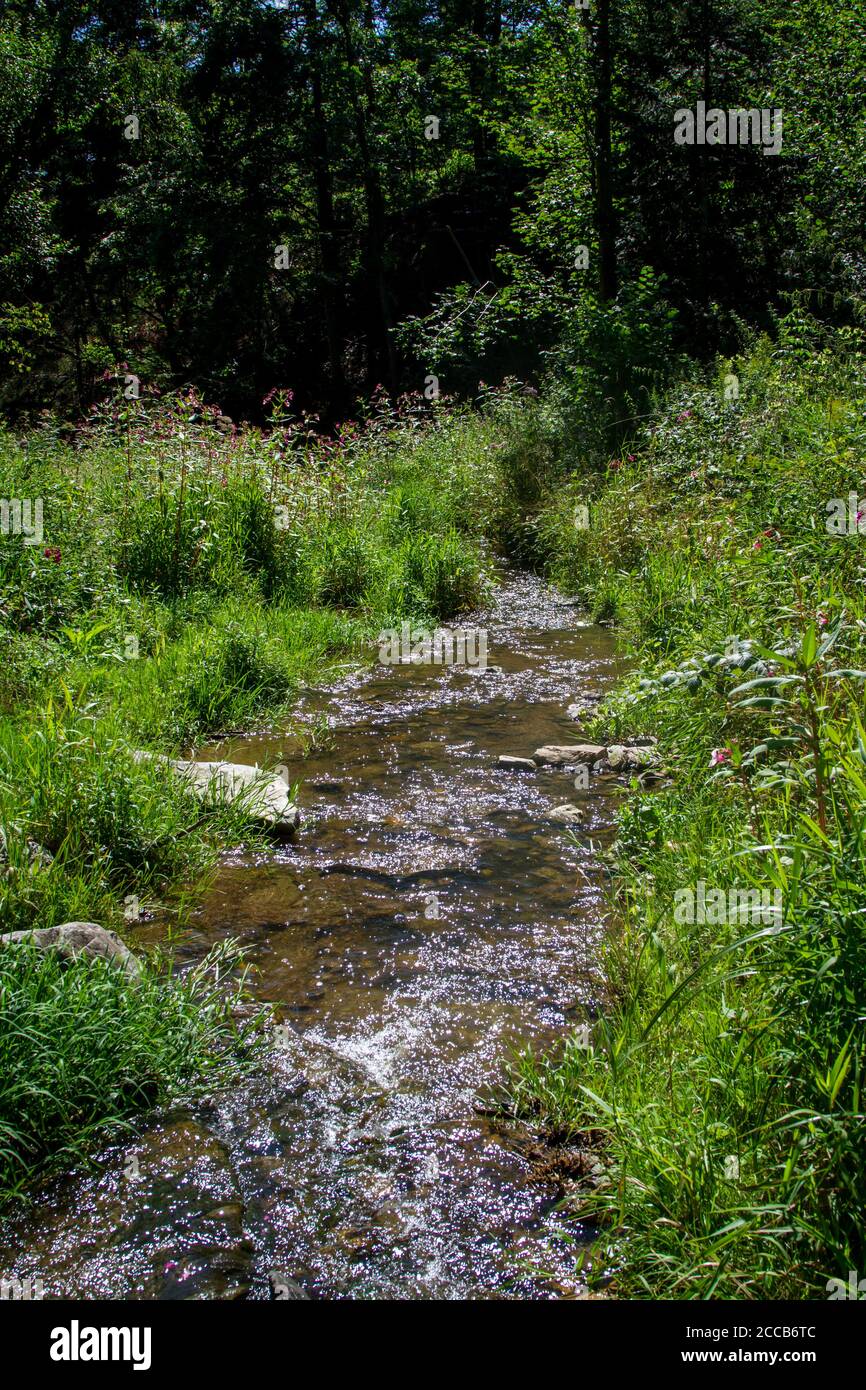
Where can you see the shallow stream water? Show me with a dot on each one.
(427, 920)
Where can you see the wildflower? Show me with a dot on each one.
(719, 756)
(757, 545)
(822, 620)
(614, 465)
(685, 415)
(52, 553)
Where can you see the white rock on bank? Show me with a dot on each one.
(266, 795)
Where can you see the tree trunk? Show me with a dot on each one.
(605, 214)
(329, 254)
(363, 112)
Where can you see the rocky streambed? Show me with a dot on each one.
(438, 909)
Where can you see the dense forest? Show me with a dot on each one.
(324, 323)
(327, 197)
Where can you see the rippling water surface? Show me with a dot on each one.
(427, 919)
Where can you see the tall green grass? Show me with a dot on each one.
(108, 826)
(724, 1087)
(82, 1048)
(186, 584)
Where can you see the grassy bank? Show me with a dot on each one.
(184, 584)
(191, 578)
(723, 1089)
(168, 578)
(82, 1047)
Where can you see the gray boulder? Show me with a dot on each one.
(74, 939)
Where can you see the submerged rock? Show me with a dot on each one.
(74, 939)
(266, 796)
(566, 814)
(568, 754)
(516, 764)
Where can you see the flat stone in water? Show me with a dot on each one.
(568, 754)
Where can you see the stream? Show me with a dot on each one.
(427, 920)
